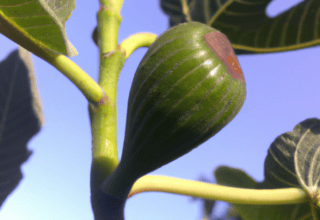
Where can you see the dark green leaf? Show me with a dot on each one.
(307, 155)
(37, 24)
(247, 25)
(229, 176)
(293, 158)
(279, 169)
(20, 117)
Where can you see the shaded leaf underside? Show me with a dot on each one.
(20, 117)
(247, 25)
(293, 158)
(307, 155)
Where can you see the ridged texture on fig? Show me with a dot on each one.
(182, 94)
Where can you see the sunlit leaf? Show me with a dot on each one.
(21, 117)
(37, 24)
(247, 25)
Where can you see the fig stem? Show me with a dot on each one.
(109, 20)
(217, 192)
(103, 116)
(135, 41)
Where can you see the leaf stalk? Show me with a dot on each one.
(135, 41)
(217, 192)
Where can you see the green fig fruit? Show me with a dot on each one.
(188, 86)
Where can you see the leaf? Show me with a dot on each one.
(36, 25)
(279, 168)
(247, 25)
(237, 178)
(229, 176)
(307, 155)
(292, 161)
(21, 117)
(294, 158)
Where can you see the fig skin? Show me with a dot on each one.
(187, 87)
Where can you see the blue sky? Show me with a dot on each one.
(282, 90)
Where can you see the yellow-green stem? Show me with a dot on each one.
(104, 116)
(135, 41)
(104, 122)
(218, 192)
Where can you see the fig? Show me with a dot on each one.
(187, 87)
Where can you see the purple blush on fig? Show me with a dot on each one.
(221, 46)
